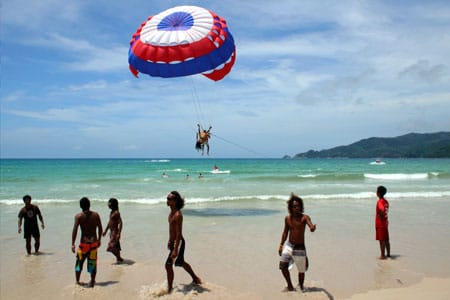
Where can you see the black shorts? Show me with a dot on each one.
(31, 231)
(179, 261)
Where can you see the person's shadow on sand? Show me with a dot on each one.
(102, 283)
(40, 253)
(127, 262)
(192, 287)
(106, 283)
(319, 290)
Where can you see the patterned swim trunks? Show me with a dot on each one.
(295, 254)
(89, 251)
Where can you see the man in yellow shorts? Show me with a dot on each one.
(91, 232)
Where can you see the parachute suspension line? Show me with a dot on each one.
(197, 106)
(237, 145)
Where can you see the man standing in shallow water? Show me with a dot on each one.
(176, 242)
(30, 213)
(91, 232)
(294, 249)
(115, 226)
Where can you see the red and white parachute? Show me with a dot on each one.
(182, 41)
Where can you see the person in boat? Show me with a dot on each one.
(202, 139)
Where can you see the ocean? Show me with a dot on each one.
(141, 181)
(233, 220)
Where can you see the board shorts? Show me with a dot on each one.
(89, 251)
(179, 261)
(294, 254)
(381, 234)
(31, 231)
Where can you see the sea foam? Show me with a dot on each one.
(397, 176)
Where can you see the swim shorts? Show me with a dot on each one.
(381, 234)
(31, 231)
(89, 251)
(295, 253)
(179, 261)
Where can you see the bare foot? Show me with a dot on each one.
(91, 284)
(288, 289)
(382, 257)
(197, 280)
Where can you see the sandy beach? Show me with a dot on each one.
(236, 257)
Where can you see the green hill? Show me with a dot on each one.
(412, 145)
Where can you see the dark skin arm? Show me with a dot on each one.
(42, 220)
(20, 222)
(284, 235)
(75, 231)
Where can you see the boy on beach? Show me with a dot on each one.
(91, 234)
(176, 242)
(30, 213)
(115, 226)
(381, 223)
(294, 249)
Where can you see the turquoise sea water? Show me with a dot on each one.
(223, 212)
(140, 180)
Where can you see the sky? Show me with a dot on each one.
(308, 75)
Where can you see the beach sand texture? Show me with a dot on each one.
(236, 256)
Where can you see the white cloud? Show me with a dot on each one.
(323, 71)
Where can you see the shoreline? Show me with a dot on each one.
(435, 288)
(235, 254)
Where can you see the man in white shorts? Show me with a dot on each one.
(294, 249)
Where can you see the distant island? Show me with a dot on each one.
(412, 145)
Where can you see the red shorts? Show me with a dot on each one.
(382, 234)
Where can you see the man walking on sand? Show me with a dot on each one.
(91, 233)
(176, 242)
(30, 213)
(294, 249)
(381, 223)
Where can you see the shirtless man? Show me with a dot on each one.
(294, 250)
(91, 233)
(115, 225)
(176, 242)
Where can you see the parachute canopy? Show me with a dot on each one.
(182, 41)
